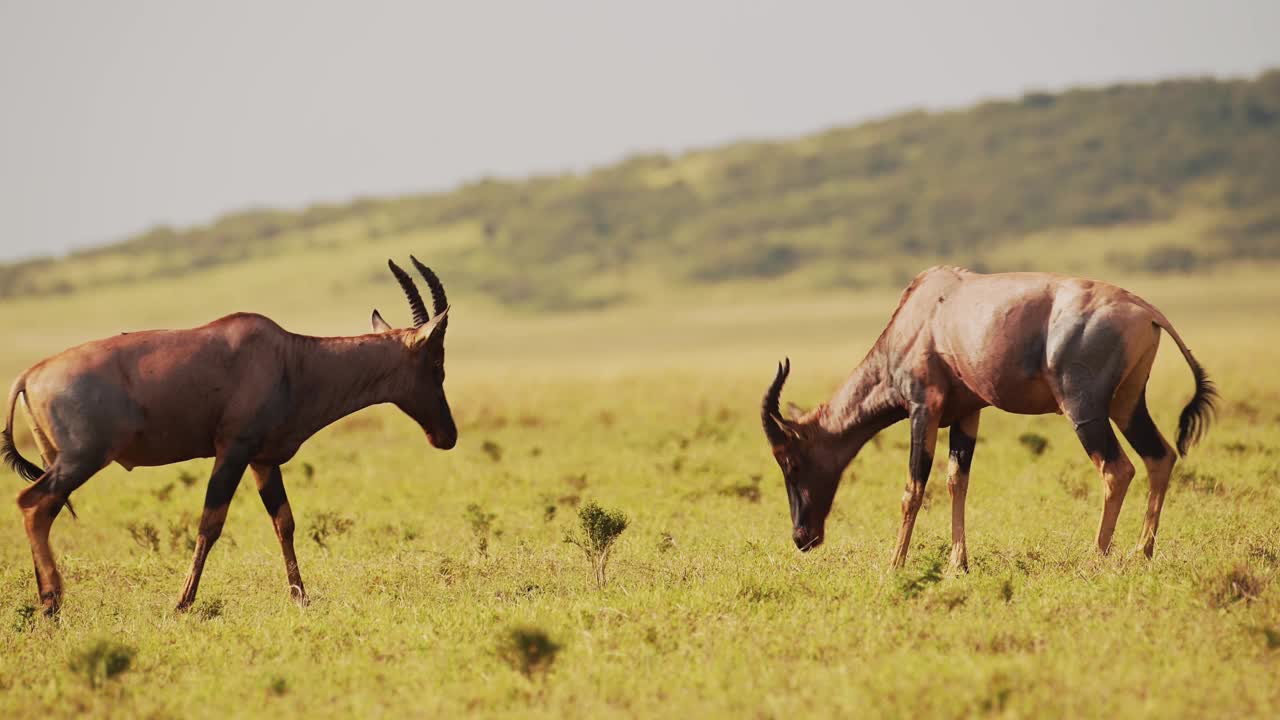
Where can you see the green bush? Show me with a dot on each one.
(102, 661)
(528, 650)
(599, 530)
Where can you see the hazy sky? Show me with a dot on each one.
(119, 115)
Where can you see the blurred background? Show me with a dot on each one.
(573, 167)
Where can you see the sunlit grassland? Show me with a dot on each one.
(651, 408)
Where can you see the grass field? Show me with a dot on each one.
(652, 409)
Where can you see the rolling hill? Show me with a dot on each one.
(1173, 176)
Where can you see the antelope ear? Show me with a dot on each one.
(379, 325)
(794, 411)
(428, 329)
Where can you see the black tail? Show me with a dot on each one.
(24, 467)
(9, 452)
(1194, 421)
(1195, 418)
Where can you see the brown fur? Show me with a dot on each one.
(1028, 343)
(240, 389)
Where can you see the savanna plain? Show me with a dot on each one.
(421, 564)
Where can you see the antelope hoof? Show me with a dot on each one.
(959, 559)
(51, 603)
(299, 596)
(183, 605)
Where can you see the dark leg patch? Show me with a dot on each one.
(962, 449)
(272, 493)
(1142, 433)
(222, 485)
(921, 464)
(921, 455)
(1099, 439)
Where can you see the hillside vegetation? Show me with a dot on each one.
(1194, 165)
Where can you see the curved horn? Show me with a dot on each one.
(769, 408)
(420, 316)
(438, 299)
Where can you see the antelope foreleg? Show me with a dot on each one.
(924, 438)
(271, 490)
(964, 438)
(222, 486)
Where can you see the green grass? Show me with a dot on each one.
(708, 609)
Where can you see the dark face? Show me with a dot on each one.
(428, 405)
(421, 386)
(810, 491)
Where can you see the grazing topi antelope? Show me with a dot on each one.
(1028, 343)
(241, 390)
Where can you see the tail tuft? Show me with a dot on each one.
(1195, 418)
(24, 467)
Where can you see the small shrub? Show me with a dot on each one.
(481, 523)
(278, 686)
(754, 591)
(102, 661)
(600, 528)
(529, 651)
(1172, 259)
(1270, 635)
(1034, 442)
(211, 609)
(666, 543)
(997, 696)
(1006, 642)
(492, 449)
(1200, 481)
(1076, 485)
(449, 571)
(1265, 553)
(164, 493)
(145, 535)
(24, 618)
(1006, 589)
(180, 537)
(326, 524)
(1236, 448)
(577, 481)
(187, 478)
(308, 471)
(1234, 585)
(748, 490)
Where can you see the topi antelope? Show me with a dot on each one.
(241, 390)
(1027, 343)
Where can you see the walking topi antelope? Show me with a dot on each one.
(1027, 343)
(241, 390)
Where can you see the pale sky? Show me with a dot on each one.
(120, 115)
